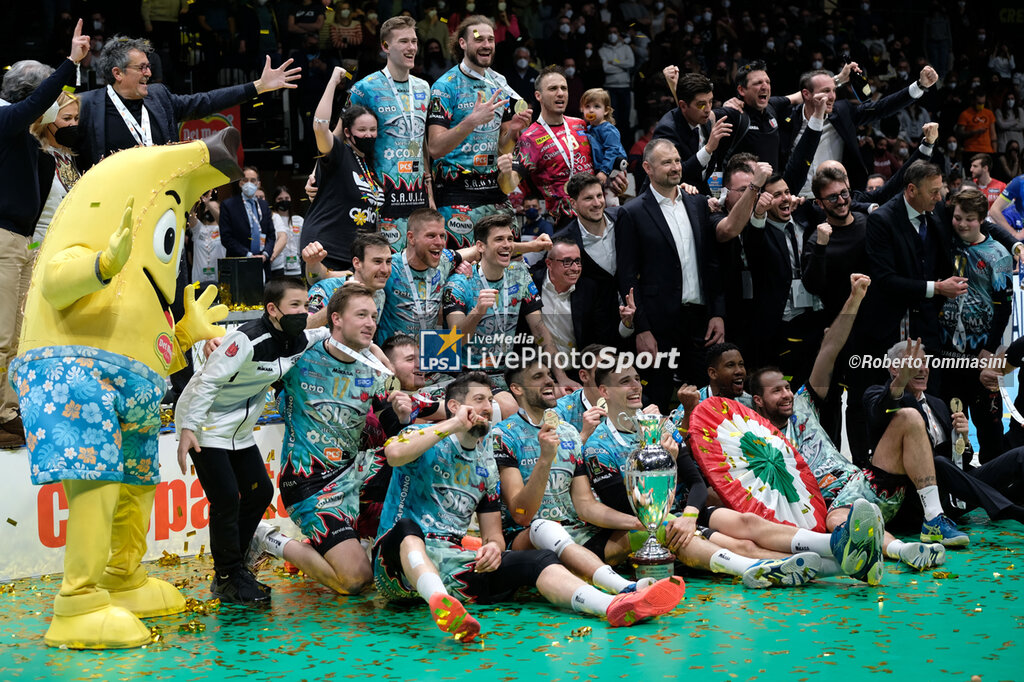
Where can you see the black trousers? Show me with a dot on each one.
(686, 337)
(985, 408)
(239, 491)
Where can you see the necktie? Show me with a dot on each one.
(255, 245)
(794, 260)
(922, 229)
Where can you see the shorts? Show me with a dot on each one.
(874, 485)
(459, 221)
(328, 518)
(388, 576)
(89, 414)
(395, 231)
(598, 542)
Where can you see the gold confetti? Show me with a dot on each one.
(190, 533)
(155, 634)
(180, 512)
(583, 631)
(944, 575)
(185, 547)
(12, 521)
(441, 434)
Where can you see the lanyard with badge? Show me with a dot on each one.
(407, 112)
(417, 305)
(367, 358)
(143, 133)
(568, 154)
(491, 78)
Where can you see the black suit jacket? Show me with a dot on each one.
(846, 117)
(880, 408)
(770, 271)
(649, 263)
(580, 301)
(602, 310)
(898, 279)
(234, 228)
(674, 128)
(165, 111)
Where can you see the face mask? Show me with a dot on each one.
(613, 38)
(431, 13)
(588, 53)
(521, 64)
(293, 324)
(570, 71)
(798, 42)
(952, 85)
(501, 6)
(249, 189)
(901, 74)
(770, 44)
(470, 7)
(581, 30)
(97, 25)
(707, 16)
(981, 37)
(865, 6)
(817, 64)
(658, 6)
(952, 146)
(1010, 103)
(532, 213)
(829, 38)
(568, 13)
(97, 46)
(372, 16)
(50, 115)
(345, 13)
(764, 30)
(564, 29)
(67, 136)
(442, 5)
(904, 152)
(688, 28)
(283, 205)
(364, 145)
(726, 3)
(725, 47)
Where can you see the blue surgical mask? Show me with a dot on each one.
(532, 214)
(249, 189)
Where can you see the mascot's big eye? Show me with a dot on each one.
(165, 234)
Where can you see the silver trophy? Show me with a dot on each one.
(650, 478)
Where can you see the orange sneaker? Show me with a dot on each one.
(451, 616)
(632, 607)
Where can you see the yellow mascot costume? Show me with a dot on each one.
(97, 344)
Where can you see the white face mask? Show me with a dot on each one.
(568, 14)
(470, 7)
(688, 28)
(901, 74)
(581, 30)
(829, 38)
(658, 6)
(1010, 103)
(707, 16)
(570, 71)
(345, 13)
(564, 29)
(952, 146)
(50, 115)
(817, 64)
(249, 189)
(627, 39)
(502, 6)
(770, 44)
(588, 53)
(521, 64)
(613, 38)
(798, 42)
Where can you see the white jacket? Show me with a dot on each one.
(225, 398)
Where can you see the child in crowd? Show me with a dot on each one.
(972, 324)
(605, 141)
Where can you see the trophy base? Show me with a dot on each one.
(656, 569)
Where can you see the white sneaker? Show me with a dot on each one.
(258, 553)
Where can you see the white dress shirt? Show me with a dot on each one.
(557, 315)
(678, 221)
(601, 248)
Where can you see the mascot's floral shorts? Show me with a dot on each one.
(89, 414)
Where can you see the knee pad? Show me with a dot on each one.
(549, 535)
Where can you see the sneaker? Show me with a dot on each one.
(941, 529)
(641, 584)
(857, 543)
(923, 556)
(238, 587)
(631, 608)
(451, 617)
(257, 556)
(789, 572)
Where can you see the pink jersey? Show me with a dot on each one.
(544, 160)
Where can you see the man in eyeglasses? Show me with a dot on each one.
(569, 300)
(131, 111)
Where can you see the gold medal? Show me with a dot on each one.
(602, 403)
(551, 419)
(414, 148)
(959, 445)
(956, 405)
(392, 384)
(521, 106)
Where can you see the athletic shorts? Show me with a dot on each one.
(328, 518)
(874, 485)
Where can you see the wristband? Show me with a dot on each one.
(754, 187)
(324, 121)
(690, 515)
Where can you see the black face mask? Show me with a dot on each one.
(365, 145)
(283, 205)
(293, 324)
(67, 136)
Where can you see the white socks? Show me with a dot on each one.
(930, 501)
(724, 561)
(808, 541)
(275, 543)
(892, 550)
(607, 579)
(589, 599)
(430, 584)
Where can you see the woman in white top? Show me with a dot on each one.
(57, 132)
(288, 227)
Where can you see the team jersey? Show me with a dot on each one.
(321, 292)
(469, 173)
(517, 297)
(324, 405)
(676, 416)
(605, 452)
(1014, 193)
(398, 152)
(516, 445)
(288, 259)
(546, 160)
(968, 321)
(206, 249)
(442, 488)
(403, 312)
(992, 190)
(570, 408)
(804, 431)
